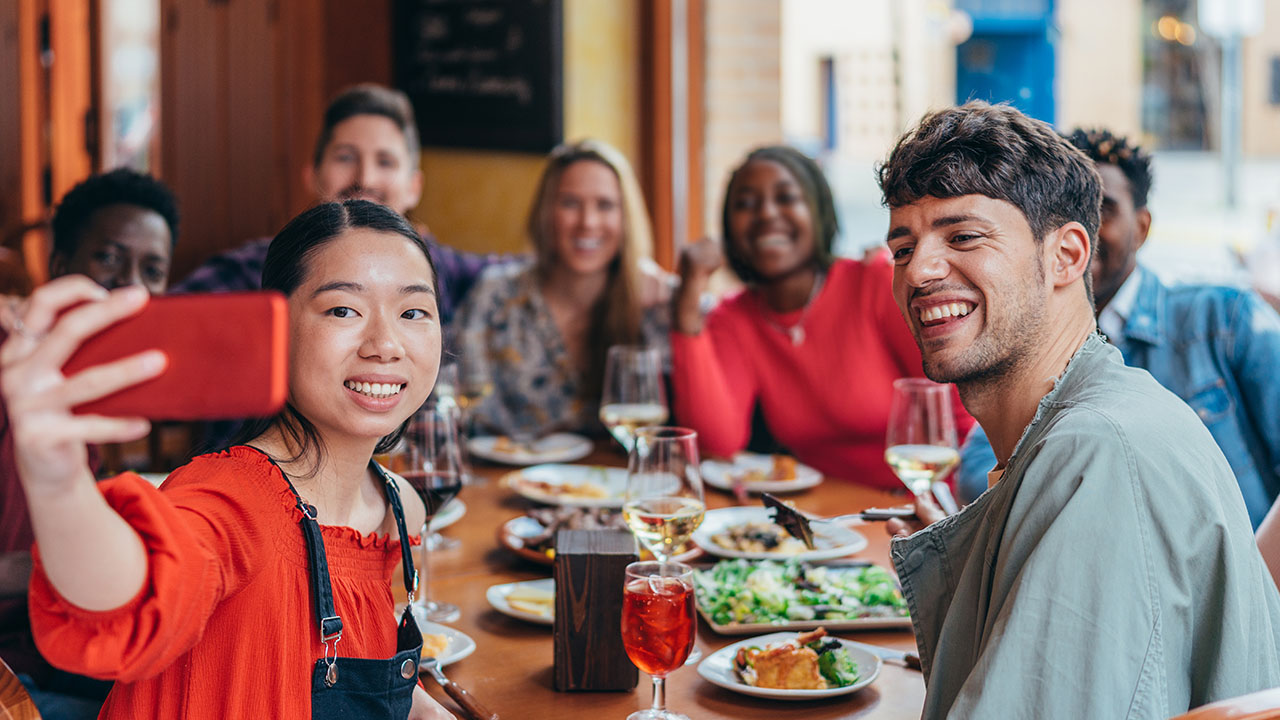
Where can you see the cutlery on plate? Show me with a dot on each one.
(797, 523)
(908, 659)
(465, 700)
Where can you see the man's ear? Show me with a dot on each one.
(415, 187)
(310, 181)
(1143, 218)
(57, 264)
(1067, 254)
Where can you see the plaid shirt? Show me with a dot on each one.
(241, 270)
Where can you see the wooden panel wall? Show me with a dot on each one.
(244, 84)
(10, 124)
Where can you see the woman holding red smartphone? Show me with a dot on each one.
(227, 593)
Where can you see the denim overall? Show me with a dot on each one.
(345, 688)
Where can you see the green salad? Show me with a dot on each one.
(748, 592)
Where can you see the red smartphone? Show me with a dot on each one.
(228, 357)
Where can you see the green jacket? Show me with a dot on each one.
(1111, 573)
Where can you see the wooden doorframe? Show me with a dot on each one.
(672, 95)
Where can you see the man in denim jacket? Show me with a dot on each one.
(1216, 347)
(1110, 572)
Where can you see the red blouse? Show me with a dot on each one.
(826, 399)
(223, 626)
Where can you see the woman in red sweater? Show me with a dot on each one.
(815, 342)
(207, 598)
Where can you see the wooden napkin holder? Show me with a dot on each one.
(590, 570)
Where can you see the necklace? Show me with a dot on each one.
(795, 331)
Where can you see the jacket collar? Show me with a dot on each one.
(1146, 318)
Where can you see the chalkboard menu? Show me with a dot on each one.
(483, 73)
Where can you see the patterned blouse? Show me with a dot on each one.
(505, 326)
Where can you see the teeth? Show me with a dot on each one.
(375, 390)
(587, 243)
(937, 312)
(772, 239)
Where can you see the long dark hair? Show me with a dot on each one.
(286, 267)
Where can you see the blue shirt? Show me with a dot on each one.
(1217, 348)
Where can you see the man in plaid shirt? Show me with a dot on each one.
(367, 149)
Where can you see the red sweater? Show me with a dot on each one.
(827, 399)
(224, 625)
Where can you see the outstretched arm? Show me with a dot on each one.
(90, 554)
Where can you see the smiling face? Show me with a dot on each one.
(770, 223)
(364, 335)
(122, 245)
(1123, 230)
(586, 218)
(367, 158)
(969, 279)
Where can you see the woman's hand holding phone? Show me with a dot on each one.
(43, 333)
(90, 554)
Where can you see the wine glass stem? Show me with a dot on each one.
(659, 693)
(422, 600)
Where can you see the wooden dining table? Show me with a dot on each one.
(510, 671)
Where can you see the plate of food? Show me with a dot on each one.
(531, 600)
(742, 597)
(532, 535)
(791, 666)
(451, 513)
(444, 643)
(572, 485)
(749, 532)
(760, 473)
(553, 448)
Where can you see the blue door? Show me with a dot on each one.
(1009, 57)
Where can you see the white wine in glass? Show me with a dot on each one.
(633, 394)
(623, 419)
(920, 444)
(664, 503)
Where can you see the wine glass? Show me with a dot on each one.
(664, 499)
(920, 444)
(658, 626)
(427, 458)
(633, 394)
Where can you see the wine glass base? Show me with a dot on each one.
(652, 714)
(437, 612)
(436, 541)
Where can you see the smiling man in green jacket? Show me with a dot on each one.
(1111, 571)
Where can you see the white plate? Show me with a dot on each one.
(497, 596)
(612, 480)
(451, 513)
(717, 668)
(460, 644)
(719, 474)
(830, 540)
(554, 448)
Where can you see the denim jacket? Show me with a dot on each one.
(1217, 348)
(1109, 574)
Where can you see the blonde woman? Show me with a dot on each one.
(542, 328)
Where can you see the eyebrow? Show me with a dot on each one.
(355, 287)
(941, 222)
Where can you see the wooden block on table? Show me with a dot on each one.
(590, 570)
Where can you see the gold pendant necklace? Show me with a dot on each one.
(795, 331)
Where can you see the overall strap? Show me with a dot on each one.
(327, 618)
(397, 509)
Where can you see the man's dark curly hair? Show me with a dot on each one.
(118, 187)
(817, 195)
(1103, 147)
(996, 151)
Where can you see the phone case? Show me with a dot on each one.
(228, 357)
